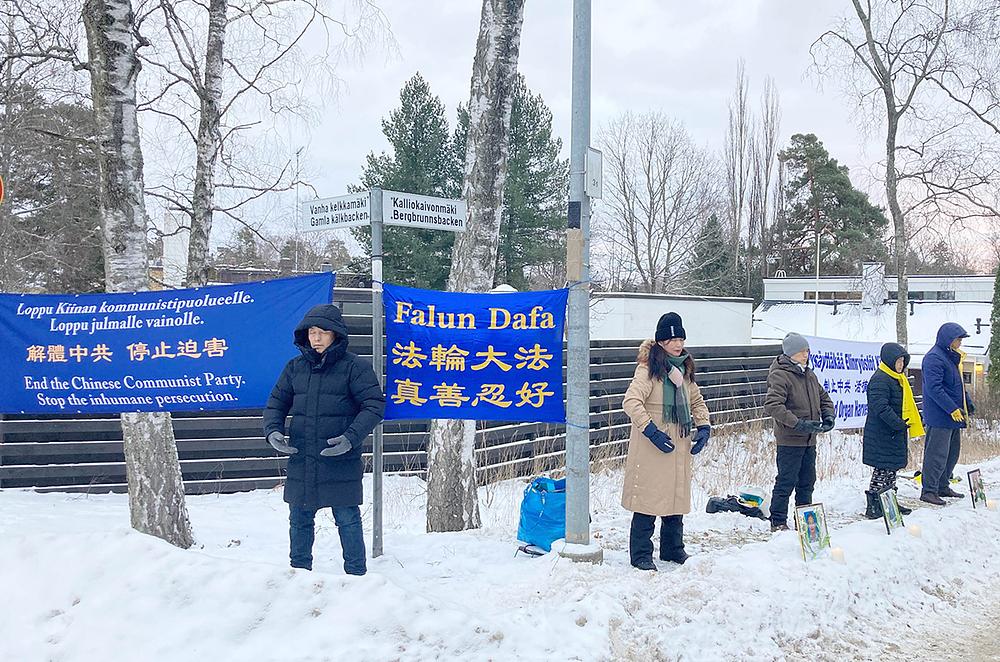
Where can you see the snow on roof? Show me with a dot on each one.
(771, 321)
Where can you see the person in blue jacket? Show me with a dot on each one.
(946, 412)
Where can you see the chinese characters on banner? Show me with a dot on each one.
(208, 348)
(843, 369)
(494, 357)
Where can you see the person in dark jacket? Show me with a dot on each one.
(946, 410)
(801, 409)
(335, 401)
(892, 420)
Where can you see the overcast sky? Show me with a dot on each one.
(674, 56)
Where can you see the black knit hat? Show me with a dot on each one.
(670, 326)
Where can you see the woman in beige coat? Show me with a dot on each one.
(670, 423)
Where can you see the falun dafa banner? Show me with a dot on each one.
(492, 357)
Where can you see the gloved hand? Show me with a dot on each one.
(659, 438)
(701, 439)
(277, 441)
(829, 420)
(338, 446)
(957, 416)
(805, 426)
(971, 408)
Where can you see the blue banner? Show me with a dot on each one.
(207, 348)
(488, 357)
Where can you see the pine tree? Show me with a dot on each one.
(49, 223)
(423, 161)
(819, 192)
(242, 250)
(713, 274)
(994, 348)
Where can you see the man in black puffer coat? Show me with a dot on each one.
(335, 401)
(886, 432)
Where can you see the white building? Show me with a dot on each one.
(977, 289)
(707, 320)
(863, 308)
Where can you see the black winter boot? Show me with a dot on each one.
(640, 541)
(644, 564)
(672, 539)
(874, 509)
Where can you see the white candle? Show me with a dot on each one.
(991, 504)
(914, 530)
(837, 554)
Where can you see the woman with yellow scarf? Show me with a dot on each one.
(893, 419)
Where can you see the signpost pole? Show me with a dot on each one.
(579, 546)
(375, 206)
(408, 210)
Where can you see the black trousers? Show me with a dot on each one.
(641, 537)
(796, 472)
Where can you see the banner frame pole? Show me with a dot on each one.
(375, 207)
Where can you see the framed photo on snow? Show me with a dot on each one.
(890, 510)
(814, 536)
(977, 489)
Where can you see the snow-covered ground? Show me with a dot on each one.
(76, 584)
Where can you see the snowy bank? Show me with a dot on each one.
(79, 585)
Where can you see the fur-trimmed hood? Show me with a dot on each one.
(644, 349)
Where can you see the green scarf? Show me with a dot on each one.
(676, 406)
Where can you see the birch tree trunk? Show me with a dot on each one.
(208, 145)
(156, 492)
(452, 498)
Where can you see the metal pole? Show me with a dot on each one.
(578, 273)
(375, 209)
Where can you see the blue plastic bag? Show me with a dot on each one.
(543, 513)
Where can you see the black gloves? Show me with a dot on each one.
(701, 439)
(829, 420)
(659, 438)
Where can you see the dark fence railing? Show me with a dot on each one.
(226, 451)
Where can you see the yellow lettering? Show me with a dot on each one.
(495, 321)
(534, 316)
(431, 318)
(402, 307)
